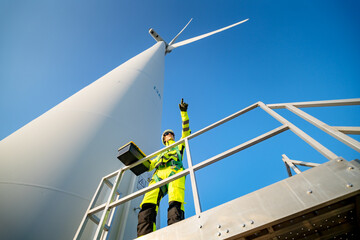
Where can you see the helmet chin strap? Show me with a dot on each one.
(172, 138)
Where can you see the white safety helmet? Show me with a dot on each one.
(166, 132)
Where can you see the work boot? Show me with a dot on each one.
(146, 219)
(175, 214)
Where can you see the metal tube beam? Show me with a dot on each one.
(193, 180)
(96, 220)
(348, 130)
(287, 168)
(328, 103)
(290, 164)
(110, 185)
(97, 209)
(224, 120)
(113, 174)
(312, 142)
(241, 147)
(326, 128)
(305, 164)
(149, 188)
(286, 165)
(295, 168)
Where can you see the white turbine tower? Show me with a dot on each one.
(50, 167)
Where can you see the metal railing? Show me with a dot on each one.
(293, 165)
(337, 132)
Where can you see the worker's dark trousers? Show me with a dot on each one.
(147, 217)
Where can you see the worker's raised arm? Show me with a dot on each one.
(185, 119)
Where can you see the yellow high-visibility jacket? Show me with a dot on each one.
(172, 154)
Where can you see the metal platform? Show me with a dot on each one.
(320, 203)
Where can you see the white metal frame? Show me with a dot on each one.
(336, 132)
(292, 164)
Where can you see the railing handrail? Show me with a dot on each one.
(193, 135)
(326, 103)
(266, 108)
(286, 125)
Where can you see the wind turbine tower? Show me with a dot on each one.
(50, 167)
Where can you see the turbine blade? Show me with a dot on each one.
(182, 43)
(172, 41)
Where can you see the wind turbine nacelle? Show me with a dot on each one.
(156, 36)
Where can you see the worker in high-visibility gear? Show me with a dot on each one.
(166, 165)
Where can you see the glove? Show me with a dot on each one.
(183, 106)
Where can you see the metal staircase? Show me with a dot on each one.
(320, 203)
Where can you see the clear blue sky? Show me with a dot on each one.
(289, 51)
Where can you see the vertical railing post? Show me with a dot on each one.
(193, 179)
